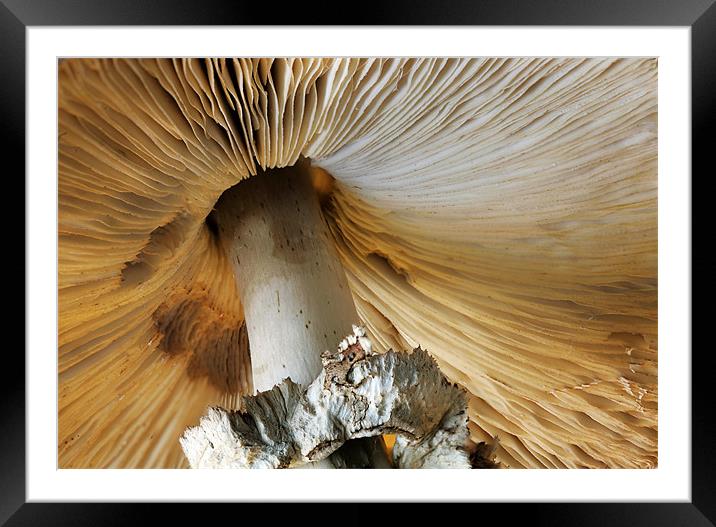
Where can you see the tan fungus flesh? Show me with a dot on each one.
(500, 213)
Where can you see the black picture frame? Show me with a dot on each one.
(699, 15)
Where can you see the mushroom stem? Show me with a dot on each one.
(293, 288)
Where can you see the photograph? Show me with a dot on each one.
(395, 262)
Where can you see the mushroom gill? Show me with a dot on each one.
(500, 213)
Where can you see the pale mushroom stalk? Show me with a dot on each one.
(293, 288)
(296, 298)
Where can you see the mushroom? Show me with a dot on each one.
(499, 213)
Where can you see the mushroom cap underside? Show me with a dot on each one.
(500, 213)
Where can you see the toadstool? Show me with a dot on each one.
(500, 213)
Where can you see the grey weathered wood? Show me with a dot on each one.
(357, 394)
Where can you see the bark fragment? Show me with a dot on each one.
(357, 394)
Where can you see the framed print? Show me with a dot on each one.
(437, 239)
